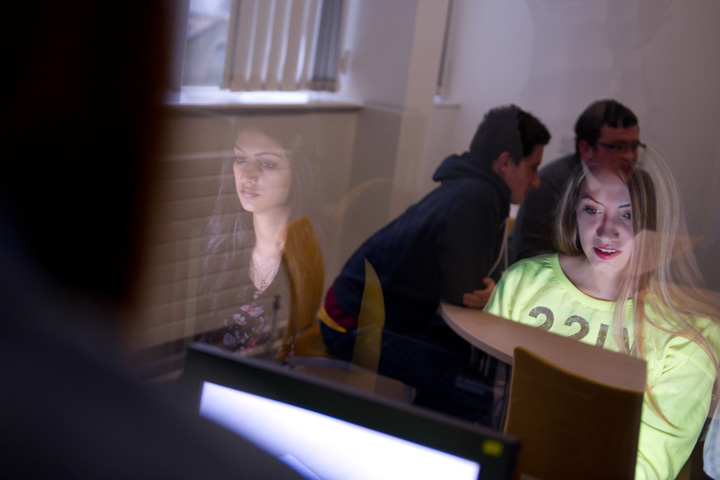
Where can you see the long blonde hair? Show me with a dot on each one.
(663, 274)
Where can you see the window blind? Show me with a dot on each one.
(284, 45)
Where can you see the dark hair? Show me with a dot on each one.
(603, 112)
(508, 129)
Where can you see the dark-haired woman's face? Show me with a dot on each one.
(262, 171)
(604, 218)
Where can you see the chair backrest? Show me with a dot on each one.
(302, 345)
(571, 426)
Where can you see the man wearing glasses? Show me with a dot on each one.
(606, 134)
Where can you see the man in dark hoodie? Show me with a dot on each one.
(440, 249)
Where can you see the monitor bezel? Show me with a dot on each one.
(205, 363)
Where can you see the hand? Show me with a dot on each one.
(478, 298)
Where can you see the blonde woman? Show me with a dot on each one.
(626, 280)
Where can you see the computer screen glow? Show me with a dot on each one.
(322, 447)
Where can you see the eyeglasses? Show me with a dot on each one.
(622, 147)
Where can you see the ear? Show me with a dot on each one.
(502, 164)
(585, 149)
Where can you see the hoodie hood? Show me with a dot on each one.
(466, 166)
(462, 166)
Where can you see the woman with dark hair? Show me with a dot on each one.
(261, 191)
(626, 280)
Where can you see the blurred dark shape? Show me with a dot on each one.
(81, 113)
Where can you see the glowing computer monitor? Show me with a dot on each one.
(327, 431)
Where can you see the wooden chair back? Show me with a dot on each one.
(571, 426)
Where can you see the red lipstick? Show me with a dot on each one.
(605, 252)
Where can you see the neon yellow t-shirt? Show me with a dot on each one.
(680, 374)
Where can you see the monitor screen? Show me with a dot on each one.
(327, 431)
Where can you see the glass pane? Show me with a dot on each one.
(206, 42)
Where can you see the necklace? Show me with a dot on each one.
(270, 273)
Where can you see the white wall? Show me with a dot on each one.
(395, 48)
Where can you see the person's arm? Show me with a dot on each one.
(682, 390)
(711, 451)
(504, 295)
(479, 298)
(467, 247)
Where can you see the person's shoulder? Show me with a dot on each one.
(532, 265)
(476, 185)
(560, 167)
(471, 194)
(710, 330)
(674, 330)
(529, 275)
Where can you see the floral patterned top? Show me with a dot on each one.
(253, 323)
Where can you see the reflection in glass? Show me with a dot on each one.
(242, 287)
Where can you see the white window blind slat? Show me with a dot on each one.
(293, 47)
(241, 51)
(308, 44)
(278, 49)
(232, 40)
(282, 45)
(263, 37)
(326, 61)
